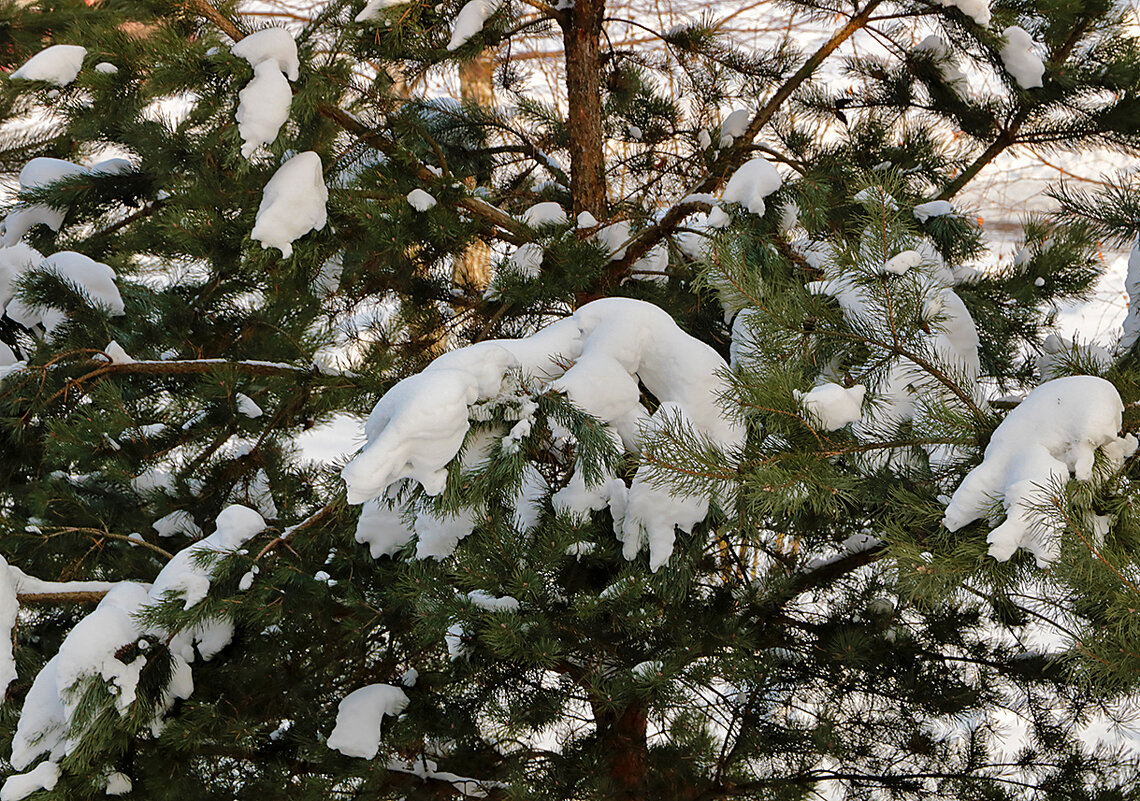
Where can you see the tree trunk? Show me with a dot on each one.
(581, 36)
(624, 736)
(472, 269)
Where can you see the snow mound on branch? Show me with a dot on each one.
(935, 208)
(58, 64)
(548, 213)
(1019, 59)
(372, 10)
(358, 719)
(175, 523)
(292, 204)
(953, 343)
(18, 787)
(749, 185)
(92, 278)
(272, 45)
(118, 784)
(263, 107)
(420, 200)
(94, 646)
(37, 174)
(1129, 336)
(88, 650)
(900, 263)
(1131, 283)
(832, 405)
(735, 125)
(184, 576)
(978, 10)
(611, 346)
(1055, 431)
(470, 21)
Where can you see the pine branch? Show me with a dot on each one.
(732, 157)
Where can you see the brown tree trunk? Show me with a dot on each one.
(624, 735)
(472, 269)
(581, 37)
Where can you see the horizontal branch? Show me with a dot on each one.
(47, 598)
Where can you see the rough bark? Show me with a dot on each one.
(625, 737)
(581, 36)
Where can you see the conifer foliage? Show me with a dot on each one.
(742, 471)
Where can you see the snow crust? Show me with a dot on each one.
(1019, 58)
(358, 719)
(611, 346)
(58, 64)
(292, 203)
(1056, 431)
(751, 183)
(470, 21)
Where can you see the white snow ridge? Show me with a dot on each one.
(611, 346)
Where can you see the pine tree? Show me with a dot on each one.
(701, 503)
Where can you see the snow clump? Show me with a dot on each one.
(92, 278)
(273, 45)
(977, 10)
(935, 208)
(420, 200)
(1020, 61)
(597, 358)
(547, 213)
(58, 64)
(940, 52)
(470, 21)
(749, 185)
(292, 203)
(358, 719)
(735, 125)
(263, 105)
(373, 9)
(1056, 431)
(39, 173)
(832, 405)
